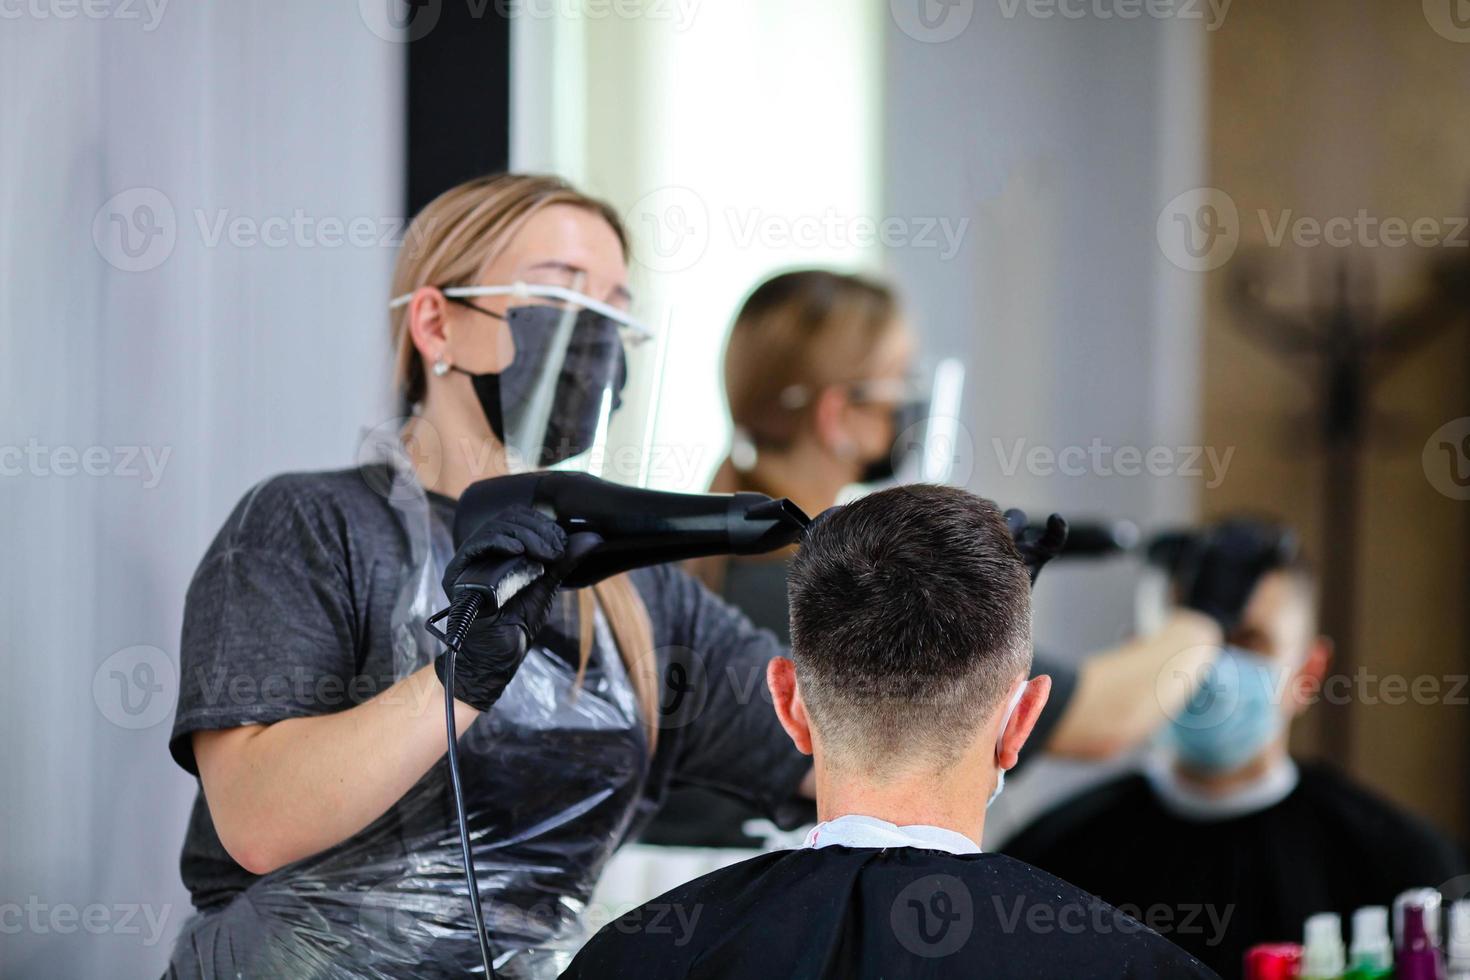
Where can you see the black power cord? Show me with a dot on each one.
(461, 614)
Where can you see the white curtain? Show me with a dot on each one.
(251, 155)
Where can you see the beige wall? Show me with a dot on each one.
(1326, 107)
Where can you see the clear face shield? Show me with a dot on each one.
(927, 444)
(930, 444)
(553, 404)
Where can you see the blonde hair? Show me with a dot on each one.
(800, 330)
(449, 243)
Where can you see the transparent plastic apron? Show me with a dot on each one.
(551, 776)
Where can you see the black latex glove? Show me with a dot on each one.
(494, 647)
(1037, 546)
(1219, 569)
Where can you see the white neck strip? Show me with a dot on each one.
(1191, 803)
(854, 830)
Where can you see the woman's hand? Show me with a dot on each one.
(494, 647)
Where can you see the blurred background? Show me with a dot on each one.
(1196, 256)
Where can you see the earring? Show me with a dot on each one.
(441, 367)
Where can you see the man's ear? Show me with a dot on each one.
(786, 696)
(1033, 698)
(1307, 683)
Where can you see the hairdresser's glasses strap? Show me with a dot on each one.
(527, 290)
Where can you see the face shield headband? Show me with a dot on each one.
(566, 379)
(924, 419)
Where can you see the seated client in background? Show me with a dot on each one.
(1222, 821)
(911, 630)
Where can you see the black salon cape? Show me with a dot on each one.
(1218, 888)
(847, 913)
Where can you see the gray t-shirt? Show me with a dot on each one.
(289, 615)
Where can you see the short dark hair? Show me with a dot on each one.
(910, 620)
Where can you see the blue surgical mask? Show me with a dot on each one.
(1234, 714)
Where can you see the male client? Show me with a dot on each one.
(911, 649)
(1224, 841)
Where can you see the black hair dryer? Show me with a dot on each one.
(638, 527)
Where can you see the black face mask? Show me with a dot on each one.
(594, 364)
(906, 415)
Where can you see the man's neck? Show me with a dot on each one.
(954, 800)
